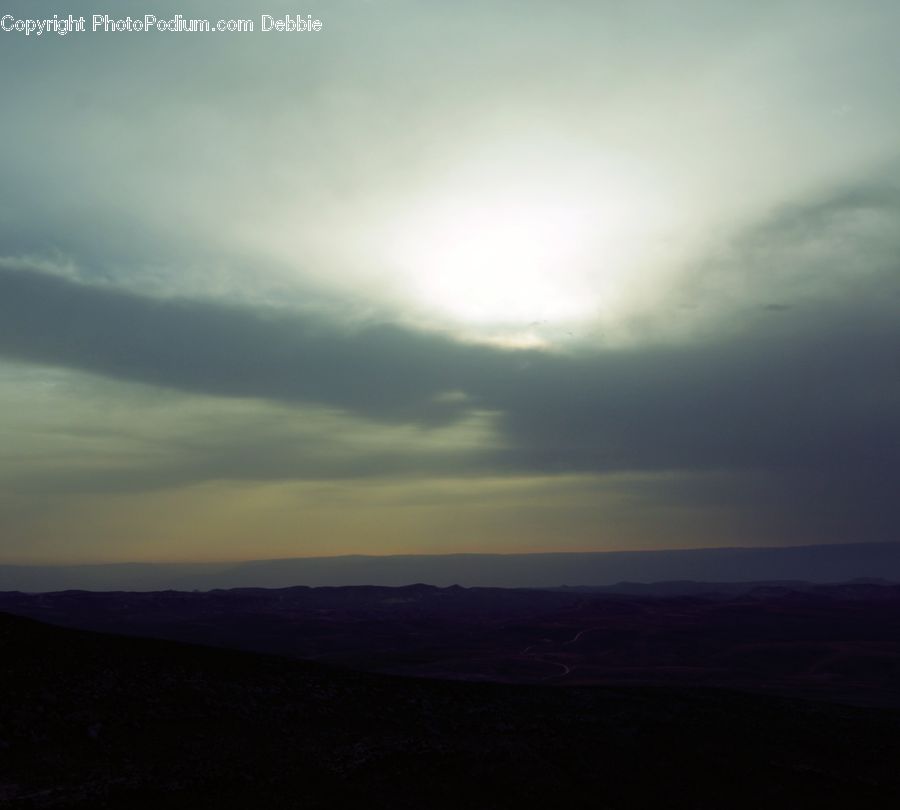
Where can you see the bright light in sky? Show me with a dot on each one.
(489, 253)
(502, 260)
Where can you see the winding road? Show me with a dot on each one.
(543, 657)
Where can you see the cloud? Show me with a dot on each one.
(381, 371)
(812, 385)
(776, 420)
(115, 438)
(204, 297)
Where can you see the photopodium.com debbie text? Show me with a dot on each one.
(150, 23)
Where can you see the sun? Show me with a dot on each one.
(493, 256)
(496, 259)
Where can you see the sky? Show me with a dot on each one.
(450, 277)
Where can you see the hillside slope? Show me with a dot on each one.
(97, 721)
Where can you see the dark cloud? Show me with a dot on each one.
(820, 391)
(382, 371)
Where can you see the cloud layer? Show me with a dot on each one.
(201, 327)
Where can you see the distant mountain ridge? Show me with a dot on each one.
(814, 563)
(859, 588)
(837, 642)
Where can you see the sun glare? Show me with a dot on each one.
(497, 261)
(527, 246)
(522, 256)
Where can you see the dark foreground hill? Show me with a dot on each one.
(98, 721)
(838, 642)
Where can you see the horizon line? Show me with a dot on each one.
(442, 554)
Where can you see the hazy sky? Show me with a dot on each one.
(499, 276)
